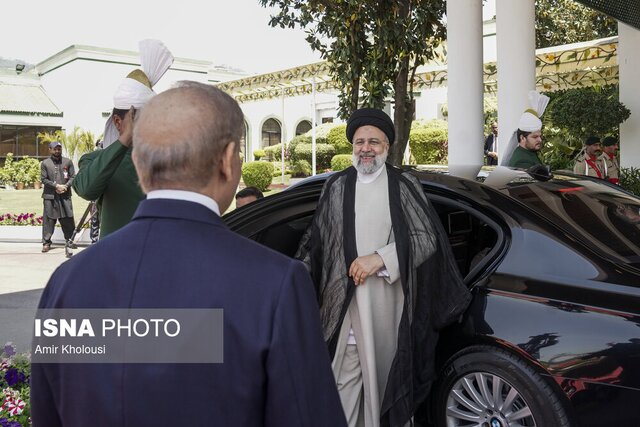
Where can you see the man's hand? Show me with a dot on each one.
(126, 131)
(492, 154)
(365, 266)
(60, 188)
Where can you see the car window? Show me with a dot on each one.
(602, 217)
(472, 239)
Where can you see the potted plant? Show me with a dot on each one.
(31, 169)
(7, 173)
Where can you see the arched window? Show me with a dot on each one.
(271, 133)
(303, 127)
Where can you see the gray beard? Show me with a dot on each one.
(370, 168)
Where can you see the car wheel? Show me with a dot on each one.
(488, 387)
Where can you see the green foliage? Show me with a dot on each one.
(257, 174)
(75, 144)
(301, 169)
(274, 152)
(324, 153)
(373, 48)
(630, 180)
(300, 139)
(567, 21)
(559, 148)
(338, 138)
(587, 111)
(26, 170)
(7, 173)
(341, 162)
(429, 142)
(258, 154)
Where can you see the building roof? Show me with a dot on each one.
(26, 98)
(559, 67)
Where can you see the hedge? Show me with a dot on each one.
(341, 161)
(324, 153)
(429, 142)
(338, 138)
(257, 174)
(274, 152)
(301, 169)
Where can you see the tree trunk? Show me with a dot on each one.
(403, 115)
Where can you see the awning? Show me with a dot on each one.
(26, 99)
(627, 11)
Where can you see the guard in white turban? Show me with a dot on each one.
(526, 141)
(108, 175)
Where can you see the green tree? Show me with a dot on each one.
(373, 49)
(567, 21)
(75, 144)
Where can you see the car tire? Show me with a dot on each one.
(465, 395)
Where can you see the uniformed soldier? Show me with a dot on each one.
(588, 161)
(610, 160)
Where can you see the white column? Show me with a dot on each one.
(516, 45)
(313, 126)
(629, 65)
(464, 88)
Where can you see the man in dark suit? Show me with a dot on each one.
(491, 145)
(178, 253)
(56, 174)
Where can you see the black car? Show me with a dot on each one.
(552, 336)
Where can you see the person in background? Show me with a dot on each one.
(526, 140)
(491, 146)
(248, 195)
(56, 174)
(108, 175)
(610, 159)
(589, 162)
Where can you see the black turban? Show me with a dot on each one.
(371, 117)
(592, 140)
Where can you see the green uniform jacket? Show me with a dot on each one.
(109, 176)
(523, 158)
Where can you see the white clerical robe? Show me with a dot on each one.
(374, 312)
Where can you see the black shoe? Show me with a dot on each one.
(46, 247)
(71, 245)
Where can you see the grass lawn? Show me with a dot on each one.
(30, 201)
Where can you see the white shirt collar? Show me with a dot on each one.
(367, 178)
(189, 196)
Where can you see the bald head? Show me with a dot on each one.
(180, 135)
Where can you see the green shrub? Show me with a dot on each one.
(258, 154)
(341, 161)
(27, 170)
(338, 138)
(7, 173)
(324, 153)
(257, 174)
(630, 180)
(300, 139)
(274, 152)
(588, 111)
(429, 142)
(301, 169)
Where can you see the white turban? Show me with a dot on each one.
(530, 119)
(529, 122)
(136, 90)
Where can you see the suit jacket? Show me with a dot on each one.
(179, 254)
(490, 145)
(52, 174)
